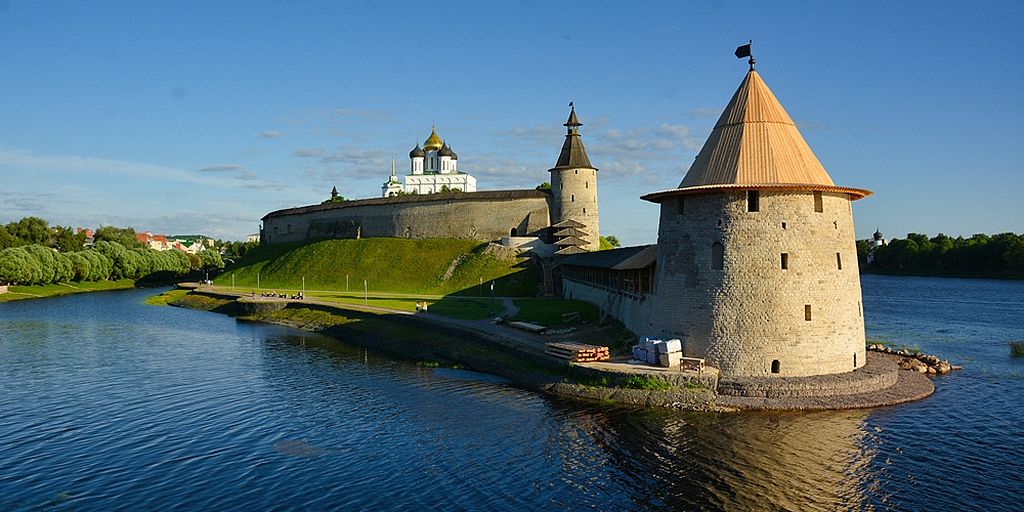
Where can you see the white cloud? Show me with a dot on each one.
(270, 134)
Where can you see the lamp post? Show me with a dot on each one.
(366, 297)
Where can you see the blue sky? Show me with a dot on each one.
(183, 117)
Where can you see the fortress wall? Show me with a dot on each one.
(634, 313)
(750, 311)
(488, 216)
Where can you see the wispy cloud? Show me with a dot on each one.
(270, 134)
(21, 161)
(221, 168)
(309, 152)
(349, 112)
(704, 112)
(663, 138)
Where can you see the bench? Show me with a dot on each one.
(692, 363)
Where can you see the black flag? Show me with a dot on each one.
(743, 51)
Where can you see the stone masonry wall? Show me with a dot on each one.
(750, 312)
(574, 196)
(452, 216)
(634, 313)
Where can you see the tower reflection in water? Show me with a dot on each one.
(738, 461)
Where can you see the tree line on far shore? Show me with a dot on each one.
(981, 255)
(33, 253)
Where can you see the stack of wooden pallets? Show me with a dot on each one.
(577, 352)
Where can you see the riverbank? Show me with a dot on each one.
(478, 345)
(519, 357)
(54, 290)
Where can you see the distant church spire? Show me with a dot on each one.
(334, 192)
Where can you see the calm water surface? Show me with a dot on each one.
(106, 403)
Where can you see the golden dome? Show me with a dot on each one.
(433, 142)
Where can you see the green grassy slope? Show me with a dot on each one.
(51, 290)
(389, 265)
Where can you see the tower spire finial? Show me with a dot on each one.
(392, 166)
(744, 51)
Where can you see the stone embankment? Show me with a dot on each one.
(490, 348)
(916, 361)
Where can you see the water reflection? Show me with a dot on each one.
(747, 461)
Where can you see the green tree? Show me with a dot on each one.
(64, 239)
(49, 270)
(210, 260)
(18, 266)
(608, 242)
(30, 230)
(7, 239)
(123, 236)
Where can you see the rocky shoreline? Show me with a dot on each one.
(917, 361)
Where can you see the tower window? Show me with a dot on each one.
(577, 171)
(855, 360)
(680, 205)
(584, 211)
(817, 202)
(717, 256)
(783, 225)
(753, 200)
(572, 198)
(586, 184)
(807, 312)
(775, 366)
(785, 261)
(839, 261)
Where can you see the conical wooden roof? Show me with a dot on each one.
(756, 145)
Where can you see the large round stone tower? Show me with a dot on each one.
(574, 194)
(757, 263)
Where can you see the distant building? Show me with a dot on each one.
(432, 168)
(89, 235)
(253, 238)
(877, 240)
(155, 242)
(564, 216)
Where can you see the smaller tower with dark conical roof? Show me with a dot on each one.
(574, 188)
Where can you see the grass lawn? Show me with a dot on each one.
(388, 265)
(548, 312)
(464, 308)
(161, 299)
(52, 290)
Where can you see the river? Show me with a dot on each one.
(107, 403)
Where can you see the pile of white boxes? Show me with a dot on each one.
(658, 352)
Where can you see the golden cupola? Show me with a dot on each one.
(433, 143)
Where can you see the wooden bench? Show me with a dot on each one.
(693, 363)
(526, 326)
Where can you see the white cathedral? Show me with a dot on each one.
(433, 168)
